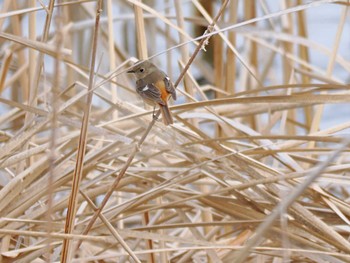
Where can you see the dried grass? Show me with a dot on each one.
(253, 170)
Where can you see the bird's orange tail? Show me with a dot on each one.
(166, 114)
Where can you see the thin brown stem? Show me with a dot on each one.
(78, 172)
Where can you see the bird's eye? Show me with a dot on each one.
(142, 70)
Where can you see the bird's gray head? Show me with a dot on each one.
(142, 68)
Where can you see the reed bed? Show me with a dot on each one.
(254, 169)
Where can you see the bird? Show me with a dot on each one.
(155, 87)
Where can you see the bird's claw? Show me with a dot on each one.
(155, 117)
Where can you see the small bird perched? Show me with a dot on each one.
(154, 86)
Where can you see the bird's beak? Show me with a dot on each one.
(130, 71)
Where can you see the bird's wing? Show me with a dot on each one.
(149, 92)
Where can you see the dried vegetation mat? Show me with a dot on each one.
(254, 169)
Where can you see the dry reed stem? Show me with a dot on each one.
(78, 171)
(54, 118)
(282, 207)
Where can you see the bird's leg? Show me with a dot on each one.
(154, 113)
